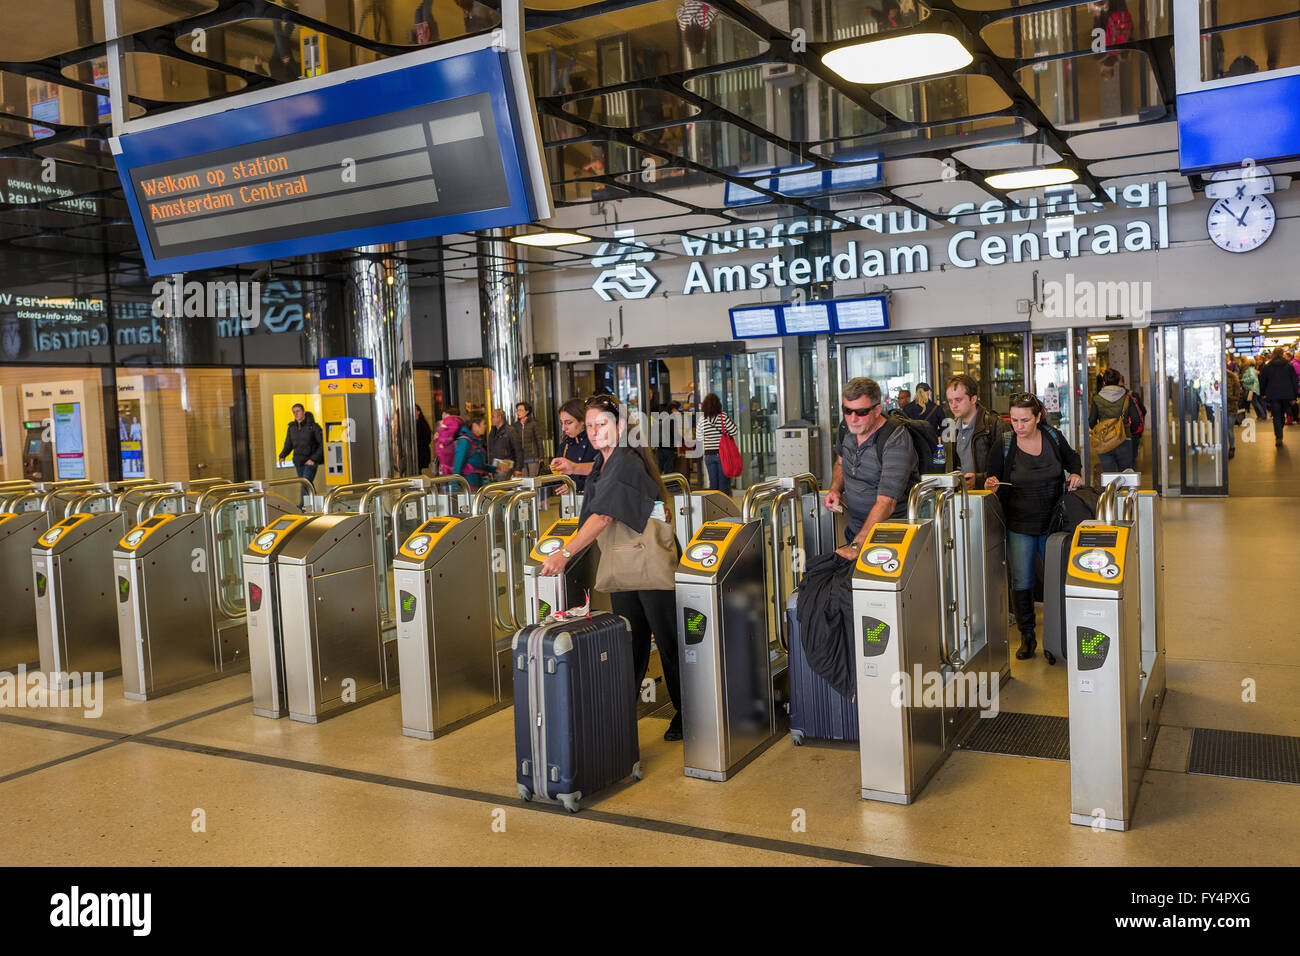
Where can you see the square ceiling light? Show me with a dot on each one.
(898, 58)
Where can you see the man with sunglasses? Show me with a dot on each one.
(872, 483)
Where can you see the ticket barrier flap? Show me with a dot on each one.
(18, 534)
(76, 615)
(329, 600)
(1103, 626)
(729, 706)
(265, 627)
(446, 636)
(897, 647)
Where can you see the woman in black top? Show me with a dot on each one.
(423, 439)
(576, 456)
(624, 485)
(1035, 466)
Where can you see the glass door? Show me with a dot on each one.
(1051, 375)
(748, 385)
(1193, 444)
(892, 367)
(995, 360)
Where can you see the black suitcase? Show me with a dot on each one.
(1055, 568)
(817, 710)
(575, 708)
(1073, 509)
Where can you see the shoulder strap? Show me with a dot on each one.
(1006, 441)
(882, 436)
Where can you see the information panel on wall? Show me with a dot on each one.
(807, 319)
(69, 441)
(868, 314)
(380, 153)
(755, 322)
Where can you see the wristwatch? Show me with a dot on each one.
(565, 552)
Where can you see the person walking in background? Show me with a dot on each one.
(1114, 402)
(708, 432)
(974, 431)
(668, 436)
(576, 457)
(503, 447)
(471, 461)
(423, 439)
(1250, 382)
(904, 398)
(1279, 384)
(1038, 466)
(1232, 392)
(923, 407)
(530, 441)
(304, 440)
(444, 445)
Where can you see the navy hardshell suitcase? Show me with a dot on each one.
(817, 710)
(575, 708)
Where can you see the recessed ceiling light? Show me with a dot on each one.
(551, 239)
(899, 58)
(1032, 178)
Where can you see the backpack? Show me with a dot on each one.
(1138, 423)
(445, 446)
(477, 450)
(1109, 433)
(925, 441)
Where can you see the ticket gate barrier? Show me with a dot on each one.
(692, 508)
(446, 635)
(545, 595)
(181, 613)
(733, 677)
(265, 622)
(18, 536)
(897, 640)
(1114, 593)
(76, 606)
(334, 654)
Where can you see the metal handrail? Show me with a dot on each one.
(420, 496)
(345, 490)
(63, 487)
(778, 600)
(74, 506)
(432, 483)
(677, 478)
(517, 498)
(497, 487)
(920, 491)
(150, 507)
(756, 491)
(570, 493)
(227, 608)
(293, 480)
(378, 488)
(238, 487)
(11, 504)
(144, 489)
(941, 533)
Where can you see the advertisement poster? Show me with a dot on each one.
(282, 409)
(131, 437)
(69, 441)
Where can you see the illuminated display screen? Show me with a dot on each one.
(696, 625)
(888, 535)
(1093, 648)
(806, 319)
(861, 315)
(754, 323)
(1097, 539)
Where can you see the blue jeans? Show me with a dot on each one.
(1021, 551)
(717, 480)
(306, 471)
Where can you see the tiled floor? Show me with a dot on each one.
(132, 785)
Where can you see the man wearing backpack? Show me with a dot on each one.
(876, 464)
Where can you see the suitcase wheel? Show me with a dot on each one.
(524, 793)
(636, 771)
(1051, 658)
(797, 737)
(570, 801)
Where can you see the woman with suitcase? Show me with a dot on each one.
(624, 487)
(1037, 466)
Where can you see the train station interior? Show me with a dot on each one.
(316, 314)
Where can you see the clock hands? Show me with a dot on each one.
(1241, 220)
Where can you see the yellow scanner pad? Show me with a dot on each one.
(51, 537)
(708, 545)
(140, 533)
(269, 538)
(423, 538)
(557, 536)
(1097, 553)
(885, 551)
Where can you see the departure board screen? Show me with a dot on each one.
(754, 323)
(812, 317)
(861, 315)
(422, 151)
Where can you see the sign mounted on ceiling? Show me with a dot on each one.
(429, 143)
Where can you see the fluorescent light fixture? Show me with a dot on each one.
(1032, 178)
(551, 239)
(899, 58)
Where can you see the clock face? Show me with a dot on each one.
(1239, 183)
(1241, 225)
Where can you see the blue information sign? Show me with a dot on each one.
(361, 157)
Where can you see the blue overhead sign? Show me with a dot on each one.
(382, 153)
(864, 314)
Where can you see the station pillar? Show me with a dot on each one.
(506, 322)
(377, 309)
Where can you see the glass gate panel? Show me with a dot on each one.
(892, 367)
(1051, 371)
(757, 401)
(1205, 442)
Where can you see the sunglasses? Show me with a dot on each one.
(858, 412)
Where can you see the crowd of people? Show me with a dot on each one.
(1268, 385)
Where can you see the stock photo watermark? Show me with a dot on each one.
(78, 690)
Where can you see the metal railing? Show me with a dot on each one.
(1109, 510)
(78, 505)
(945, 489)
(776, 493)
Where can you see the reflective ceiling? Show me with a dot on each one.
(672, 103)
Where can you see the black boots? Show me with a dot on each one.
(1023, 605)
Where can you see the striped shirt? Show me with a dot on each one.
(709, 432)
